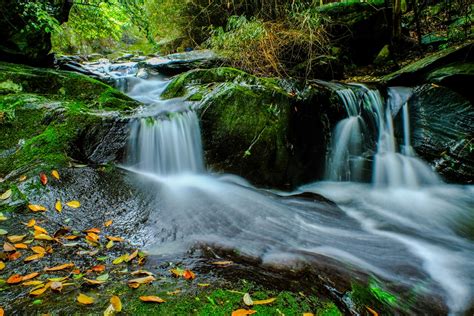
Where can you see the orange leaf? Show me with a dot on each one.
(189, 275)
(71, 237)
(40, 229)
(55, 174)
(14, 256)
(116, 303)
(36, 208)
(243, 312)
(114, 238)
(98, 268)
(21, 246)
(108, 223)
(34, 257)
(152, 299)
(43, 178)
(92, 237)
(14, 279)
(30, 276)
(93, 230)
(34, 283)
(373, 312)
(60, 267)
(8, 247)
(84, 299)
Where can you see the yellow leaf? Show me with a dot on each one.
(43, 237)
(152, 299)
(222, 263)
(30, 276)
(108, 223)
(132, 255)
(58, 206)
(144, 280)
(39, 291)
(22, 178)
(116, 303)
(2, 217)
(31, 223)
(308, 314)
(35, 283)
(247, 299)
(73, 204)
(204, 284)
(2, 265)
(60, 267)
(38, 249)
(92, 237)
(243, 312)
(5, 195)
(112, 238)
(34, 257)
(16, 238)
(40, 229)
(264, 302)
(55, 174)
(36, 208)
(110, 244)
(120, 259)
(84, 299)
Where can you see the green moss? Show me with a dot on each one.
(373, 296)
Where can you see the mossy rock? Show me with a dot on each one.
(48, 117)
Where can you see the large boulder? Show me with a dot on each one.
(443, 131)
(258, 128)
(25, 30)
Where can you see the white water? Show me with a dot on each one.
(421, 238)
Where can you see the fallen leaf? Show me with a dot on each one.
(204, 284)
(120, 259)
(247, 299)
(92, 237)
(29, 276)
(373, 312)
(36, 208)
(84, 299)
(38, 249)
(134, 285)
(56, 286)
(264, 302)
(43, 178)
(3, 232)
(21, 246)
(175, 292)
(110, 244)
(58, 206)
(108, 223)
(2, 217)
(34, 257)
(60, 267)
(8, 247)
(93, 230)
(43, 237)
(116, 303)
(98, 268)
(15, 255)
(308, 314)
(61, 232)
(31, 223)
(152, 299)
(16, 238)
(73, 204)
(71, 237)
(22, 178)
(93, 282)
(177, 272)
(112, 238)
(2, 265)
(40, 230)
(243, 312)
(55, 174)
(141, 272)
(35, 283)
(14, 279)
(222, 263)
(2, 312)
(132, 256)
(139, 281)
(60, 279)
(37, 292)
(189, 275)
(6, 195)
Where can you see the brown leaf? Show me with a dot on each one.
(152, 299)
(98, 268)
(114, 238)
(55, 174)
(60, 267)
(34, 257)
(14, 279)
(43, 178)
(61, 232)
(56, 286)
(84, 299)
(15, 255)
(108, 223)
(36, 208)
(243, 312)
(8, 247)
(16, 238)
(29, 276)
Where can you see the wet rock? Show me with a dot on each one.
(180, 62)
(443, 131)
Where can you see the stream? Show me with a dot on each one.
(407, 227)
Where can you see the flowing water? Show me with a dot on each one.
(407, 227)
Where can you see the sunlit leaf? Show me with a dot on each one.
(43, 178)
(264, 302)
(308, 314)
(222, 263)
(37, 292)
(114, 238)
(134, 283)
(16, 238)
(22, 178)
(43, 237)
(116, 303)
(73, 204)
(30, 276)
(21, 246)
(58, 206)
(38, 249)
(34, 257)
(93, 230)
(132, 256)
(55, 174)
(14, 279)
(189, 275)
(30, 283)
(2, 265)
(92, 237)
(110, 244)
(243, 312)
(31, 223)
(120, 259)
(247, 299)
(40, 229)
(141, 272)
(8, 247)
(204, 284)
(60, 267)
(177, 272)
(152, 299)
(84, 299)
(98, 268)
(108, 223)
(6, 195)
(36, 208)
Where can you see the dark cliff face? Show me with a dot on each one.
(25, 39)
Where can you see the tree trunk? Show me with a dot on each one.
(397, 20)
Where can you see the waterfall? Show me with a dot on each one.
(349, 151)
